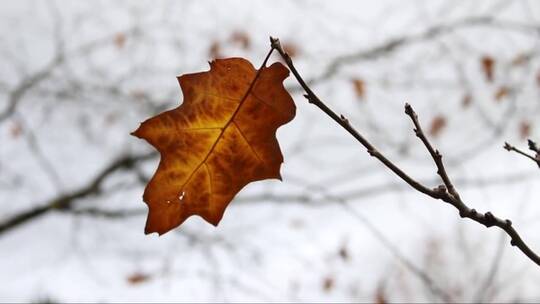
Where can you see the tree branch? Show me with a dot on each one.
(532, 146)
(446, 192)
(428, 34)
(66, 200)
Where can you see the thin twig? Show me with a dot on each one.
(532, 147)
(442, 192)
(344, 122)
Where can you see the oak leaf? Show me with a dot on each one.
(222, 137)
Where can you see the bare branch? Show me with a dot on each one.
(532, 146)
(428, 34)
(445, 192)
(66, 200)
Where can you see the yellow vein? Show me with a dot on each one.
(247, 142)
(252, 84)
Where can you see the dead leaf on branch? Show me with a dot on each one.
(380, 294)
(138, 278)
(214, 50)
(328, 283)
(359, 87)
(291, 48)
(466, 100)
(521, 59)
(16, 129)
(437, 125)
(120, 40)
(222, 137)
(488, 65)
(502, 93)
(524, 129)
(241, 38)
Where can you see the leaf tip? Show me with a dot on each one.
(135, 133)
(214, 219)
(148, 229)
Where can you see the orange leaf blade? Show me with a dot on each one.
(221, 138)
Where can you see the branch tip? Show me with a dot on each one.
(408, 109)
(533, 146)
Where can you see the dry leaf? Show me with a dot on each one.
(524, 129)
(221, 138)
(521, 59)
(488, 64)
(344, 253)
(380, 295)
(466, 101)
(501, 93)
(359, 87)
(214, 51)
(241, 38)
(291, 49)
(328, 284)
(437, 125)
(120, 40)
(138, 278)
(16, 129)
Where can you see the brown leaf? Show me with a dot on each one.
(466, 101)
(380, 295)
(16, 129)
(344, 253)
(359, 87)
(241, 38)
(437, 125)
(328, 284)
(501, 93)
(291, 49)
(221, 138)
(138, 278)
(524, 129)
(521, 59)
(488, 64)
(120, 40)
(215, 50)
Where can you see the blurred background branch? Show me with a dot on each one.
(76, 78)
